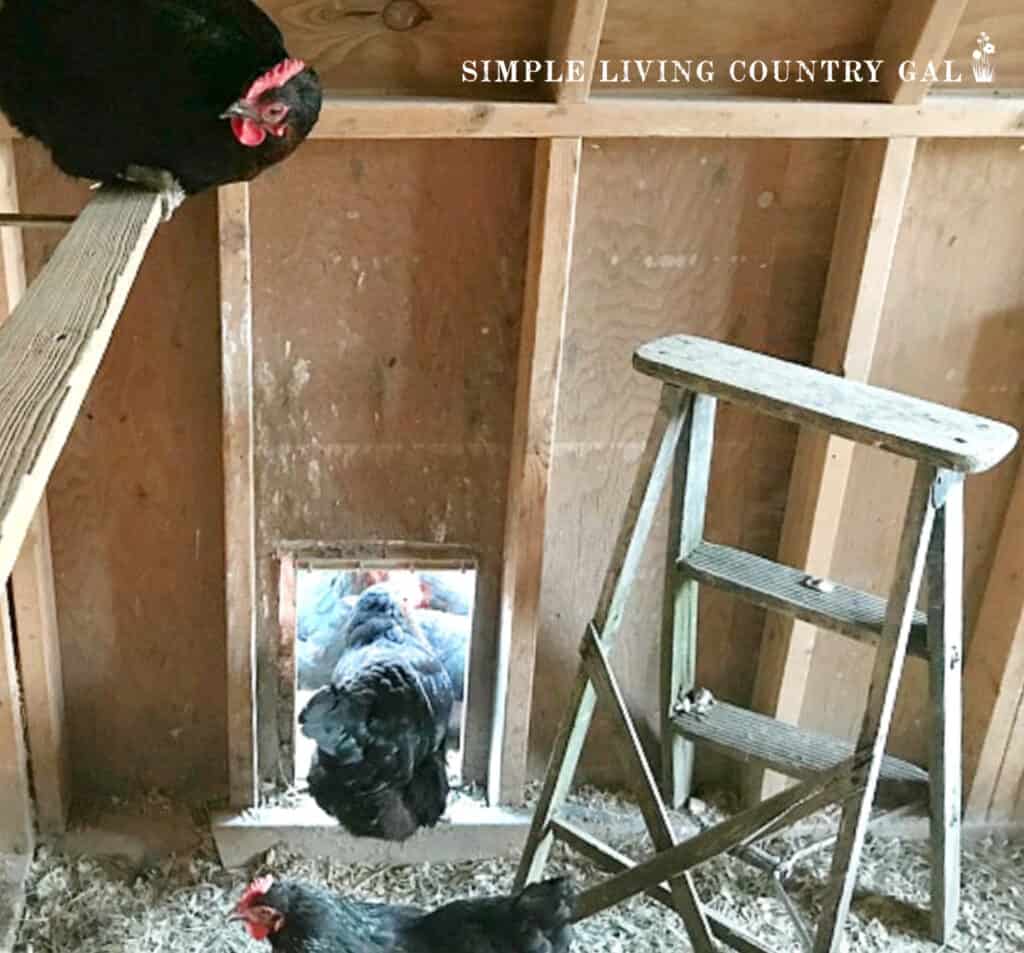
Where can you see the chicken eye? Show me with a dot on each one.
(275, 112)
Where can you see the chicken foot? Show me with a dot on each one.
(157, 180)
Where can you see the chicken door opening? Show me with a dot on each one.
(334, 609)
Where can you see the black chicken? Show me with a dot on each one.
(380, 726)
(298, 918)
(174, 95)
(448, 635)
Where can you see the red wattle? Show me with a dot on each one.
(258, 931)
(247, 132)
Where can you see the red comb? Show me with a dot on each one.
(275, 78)
(256, 889)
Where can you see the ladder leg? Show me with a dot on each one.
(885, 681)
(634, 761)
(652, 475)
(677, 671)
(945, 635)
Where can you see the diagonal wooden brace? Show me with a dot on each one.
(652, 474)
(634, 761)
(614, 862)
(761, 821)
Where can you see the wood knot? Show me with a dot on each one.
(401, 15)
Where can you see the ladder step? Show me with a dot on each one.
(782, 588)
(796, 752)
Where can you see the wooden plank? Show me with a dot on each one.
(881, 703)
(614, 862)
(39, 657)
(754, 738)
(634, 762)
(633, 117)
(239, 496)
(575, 38)
(919, 429)
(994, 677)
(288, 619)
(17, 834)
(772, 585)
(652, 473)
(870, 216)
(993, 719)
(916, 30)
(34, 603)
(52, 345)
(470, 831)
(677, 668)
(945, 569)
(12, 250)
(960, 116)
(555, 183)
(26, 220)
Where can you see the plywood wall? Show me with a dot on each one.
(362, 48)
(734, 29)
(1003, 21)
(953, 331)
(420, 45)
(388, 288)
(728, 240)
(388, 284)
(136, 520)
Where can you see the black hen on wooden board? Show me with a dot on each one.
(174, 95)
(301, 918)
(380, 726)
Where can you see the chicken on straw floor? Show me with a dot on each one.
(179, 905)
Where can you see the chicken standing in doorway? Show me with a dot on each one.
(380, 726)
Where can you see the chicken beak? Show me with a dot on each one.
(241, 109)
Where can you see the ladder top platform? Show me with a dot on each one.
(942, 436)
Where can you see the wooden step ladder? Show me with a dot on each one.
(946, 444)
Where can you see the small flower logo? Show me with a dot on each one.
(982, 67)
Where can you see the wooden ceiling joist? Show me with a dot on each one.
(939, 116)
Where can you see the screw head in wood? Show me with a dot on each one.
(818, 584)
